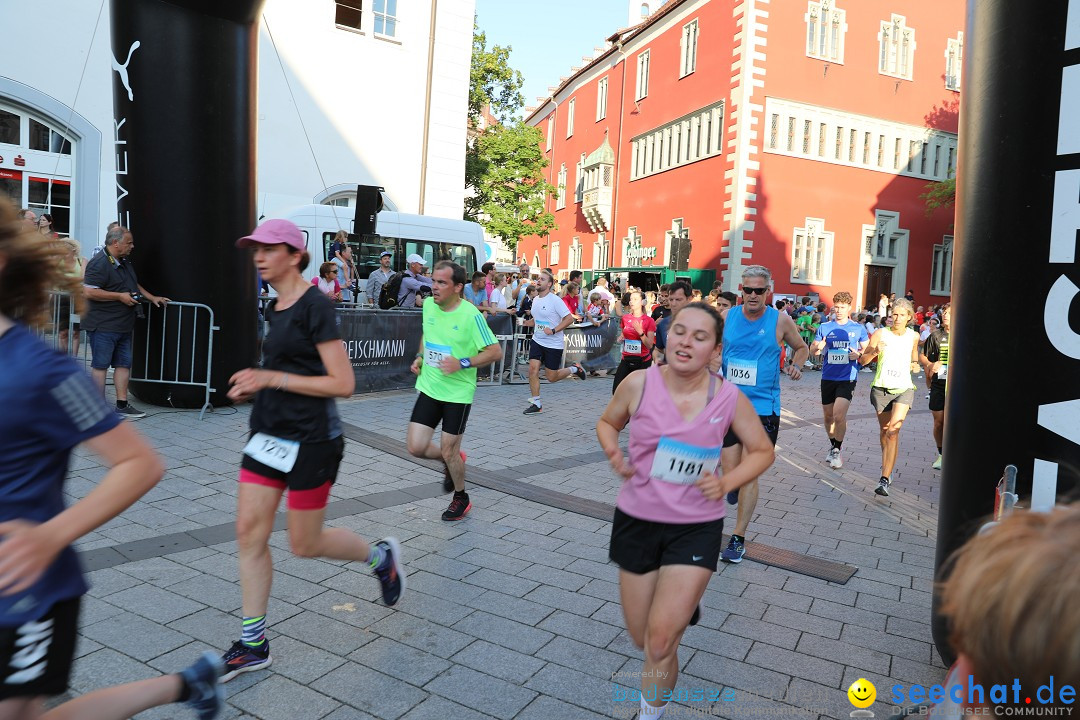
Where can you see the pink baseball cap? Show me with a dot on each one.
(274, 232)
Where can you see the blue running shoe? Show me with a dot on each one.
(241, 659)
(390, 572)
(202, 680)
(734, 551)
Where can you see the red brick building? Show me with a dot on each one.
(796, 134)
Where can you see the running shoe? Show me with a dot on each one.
(696, 617)
(734, 551)
(130, 412)
(447, 481)
(580, 371)
(390, 572)
(829, 455)
(733, 497)
(532, 409)
(242, 659)
(883, 487)
(206, 695)
(937, 463)
(835, 461)
(459, 507)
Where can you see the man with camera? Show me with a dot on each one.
(113, 294)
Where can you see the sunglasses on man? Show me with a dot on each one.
(754, 291)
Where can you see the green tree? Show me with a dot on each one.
(508, 199)
(939, 194)
(504, 168)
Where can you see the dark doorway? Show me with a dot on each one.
(877, 279)
(645, 280)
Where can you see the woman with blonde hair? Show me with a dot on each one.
(72, 265)
(41, 582)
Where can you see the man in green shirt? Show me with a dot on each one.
(456, 339)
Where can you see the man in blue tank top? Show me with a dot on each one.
(753, 334)
(840, 342)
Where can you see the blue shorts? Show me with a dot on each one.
(109, 348)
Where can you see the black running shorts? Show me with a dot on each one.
(35, 657)
(429, 411)
(551, 358)
(833, 389)
(641, 546)
(771, 423)
(937, 396)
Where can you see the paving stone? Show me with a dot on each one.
(501, 582)
(302, 662)
(499, 662)
(579, 656)
(437, 708)
(888, 643)
(843, 652)
(155, 603)
(132, 635)
(803, 621)
(795, 664)
(107, 581)
(322, 632)
(159, 571)
(546, 708)
(509, 634)
(717, 642)
(449, 589)
(348, 713)
(106, 667)
(576, 688)
(278, 698)
(559, 578)
(725, 672)
(848, 615)
(481, 692)
(494, 561)
(564, 600)
(590, 631)
(400, 661)
(421, 634)
(761, 631)
(522, 611)
(347, 608)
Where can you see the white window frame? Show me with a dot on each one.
(601, 99)
(570, 117)
(954, 60)
(941, 267)
(601, 250)
(826, 27)
(573, 260)
(550, 131)
(896, 48)
(696, 136)
(385, 18)
(688, 45)
(811, 253)
(553, 253)
(642, 90)
(560, 195)
(358, 27)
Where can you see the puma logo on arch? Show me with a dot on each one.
(122, 70)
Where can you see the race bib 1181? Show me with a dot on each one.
(681, 463)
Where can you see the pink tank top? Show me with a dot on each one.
(669, 454)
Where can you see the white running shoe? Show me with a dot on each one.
(937, 463)
(835, 461)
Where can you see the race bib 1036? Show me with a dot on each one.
(742, 372)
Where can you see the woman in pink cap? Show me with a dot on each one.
(296, 440)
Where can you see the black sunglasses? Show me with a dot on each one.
(754, 291)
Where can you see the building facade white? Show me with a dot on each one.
(379, 89)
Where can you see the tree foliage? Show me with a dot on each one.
(504, 167)
(508, 198)
(939, 194)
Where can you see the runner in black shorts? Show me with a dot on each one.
(839, 343)
(41, 582)
(296, 440)
(935, 361)
(456, 340)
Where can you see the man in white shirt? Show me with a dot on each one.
(602, 288)
(550, 318)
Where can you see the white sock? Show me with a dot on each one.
(651, 712)
(535, 401)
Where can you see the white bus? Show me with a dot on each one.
(432, 238)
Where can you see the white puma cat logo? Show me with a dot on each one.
(122, 69)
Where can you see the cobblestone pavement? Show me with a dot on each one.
(514, 612)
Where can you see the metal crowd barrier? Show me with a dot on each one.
(187, 327)
(193, 326)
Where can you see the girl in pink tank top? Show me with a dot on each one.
(668, 528)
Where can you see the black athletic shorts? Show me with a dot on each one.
(429, 411)
(937, 395)
(36, 657)
(551, 358)
(771, 423)
(883, 400)
(833, 389)
(316, 464)
(641, 546)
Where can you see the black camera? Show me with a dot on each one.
(140, 299)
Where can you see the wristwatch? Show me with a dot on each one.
(465, 364)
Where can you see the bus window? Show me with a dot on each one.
(366, 250)
(463, 255)
(427, 250)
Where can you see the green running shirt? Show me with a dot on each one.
(460, 333)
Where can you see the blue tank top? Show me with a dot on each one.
(752, 358)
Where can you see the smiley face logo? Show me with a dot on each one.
(862, 693)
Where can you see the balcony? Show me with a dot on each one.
(596, 206)
(599, 176)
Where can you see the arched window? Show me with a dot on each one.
(644, 10)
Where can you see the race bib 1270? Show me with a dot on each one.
(742, 372)
(273, 452)
(434, 354)
(682, 463)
